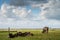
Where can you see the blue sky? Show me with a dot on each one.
(0, 3)
(29, 13)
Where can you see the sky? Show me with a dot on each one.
(29, 13)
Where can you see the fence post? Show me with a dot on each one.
(9, 32)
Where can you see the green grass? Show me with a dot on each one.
(52, 35)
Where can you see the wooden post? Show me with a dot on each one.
(8, 29)
(9, 32)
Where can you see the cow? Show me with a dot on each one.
(11, 35)
(45, 30)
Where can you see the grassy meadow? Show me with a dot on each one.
(52, 35)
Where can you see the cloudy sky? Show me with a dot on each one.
(29, 13)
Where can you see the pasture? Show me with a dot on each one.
(52, 35)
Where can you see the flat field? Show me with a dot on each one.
(52, 35)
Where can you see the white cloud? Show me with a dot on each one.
(14, 12)
(48, 10)
(21, 12)
(52, 10)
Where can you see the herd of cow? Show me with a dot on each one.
(45, 30)
(20, 34)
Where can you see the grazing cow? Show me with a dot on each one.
(28, 34)
(19, 33)
(25, 34)
(16, 34)
(45, 30)
(32, 34)
(11, 35)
